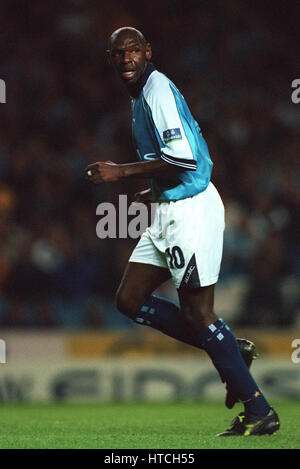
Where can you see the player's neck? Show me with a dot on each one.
(136, 89)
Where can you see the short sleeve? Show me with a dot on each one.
(170, 126)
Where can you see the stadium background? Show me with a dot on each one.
(234, 61)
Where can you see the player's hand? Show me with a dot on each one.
(144, 196)
(103, 171)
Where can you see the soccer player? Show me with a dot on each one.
(185, 240)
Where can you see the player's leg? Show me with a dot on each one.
(195, 252)
(217, 340)
(135, 300)
(205, 316)
(138, 282)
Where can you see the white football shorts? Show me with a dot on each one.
(186, 237)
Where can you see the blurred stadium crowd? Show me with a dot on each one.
(66, 109)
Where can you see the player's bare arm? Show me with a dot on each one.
(101, 171)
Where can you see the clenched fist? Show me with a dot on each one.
(103, 171)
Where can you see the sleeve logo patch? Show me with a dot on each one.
(172, 134)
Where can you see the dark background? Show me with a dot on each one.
(233, 60)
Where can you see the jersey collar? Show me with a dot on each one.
(143, 79)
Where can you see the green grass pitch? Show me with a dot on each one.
(183, 425)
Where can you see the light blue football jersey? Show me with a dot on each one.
(163, 127)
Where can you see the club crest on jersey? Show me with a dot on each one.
(172, 134)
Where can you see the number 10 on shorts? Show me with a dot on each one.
(176, 258)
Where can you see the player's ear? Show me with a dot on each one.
(148, 51)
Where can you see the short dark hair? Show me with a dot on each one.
(125, 30)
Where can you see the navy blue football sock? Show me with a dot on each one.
(221, 346)
(217, 340)
(164, 315)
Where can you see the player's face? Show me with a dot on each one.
(130, 58)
